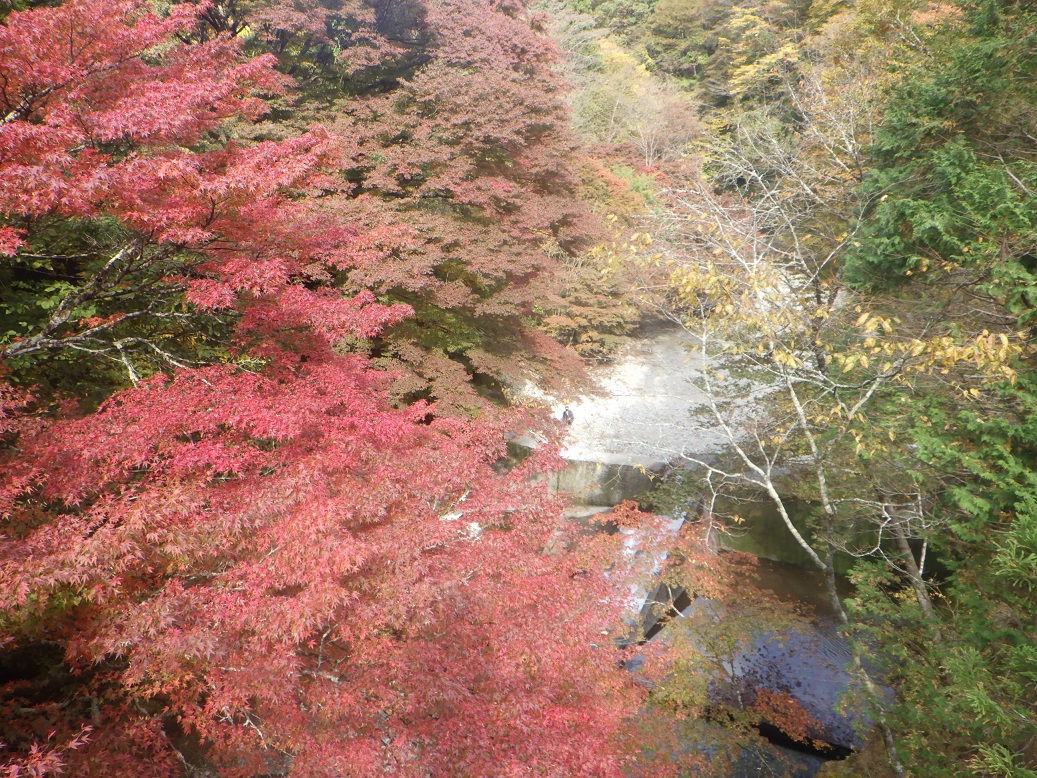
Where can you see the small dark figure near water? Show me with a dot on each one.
(567, 415)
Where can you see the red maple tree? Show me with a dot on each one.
(313, 582)
(256, 566)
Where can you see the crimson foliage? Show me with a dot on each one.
(258, 566)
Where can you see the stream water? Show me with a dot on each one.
(648, 413)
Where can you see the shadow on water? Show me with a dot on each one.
(712, 747)
(808, 663)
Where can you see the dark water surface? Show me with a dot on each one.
(808, 662)
(811, 664)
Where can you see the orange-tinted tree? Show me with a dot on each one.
(458, 157)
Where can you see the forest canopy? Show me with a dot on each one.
(255, 254)
(273, 272)
(851, 233)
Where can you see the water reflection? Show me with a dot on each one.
(806, 660)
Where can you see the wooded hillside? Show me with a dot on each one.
(853, 228)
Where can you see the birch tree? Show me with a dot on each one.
(751, 251)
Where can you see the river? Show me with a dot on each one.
(648, 414)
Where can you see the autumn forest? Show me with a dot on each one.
(287, 286)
